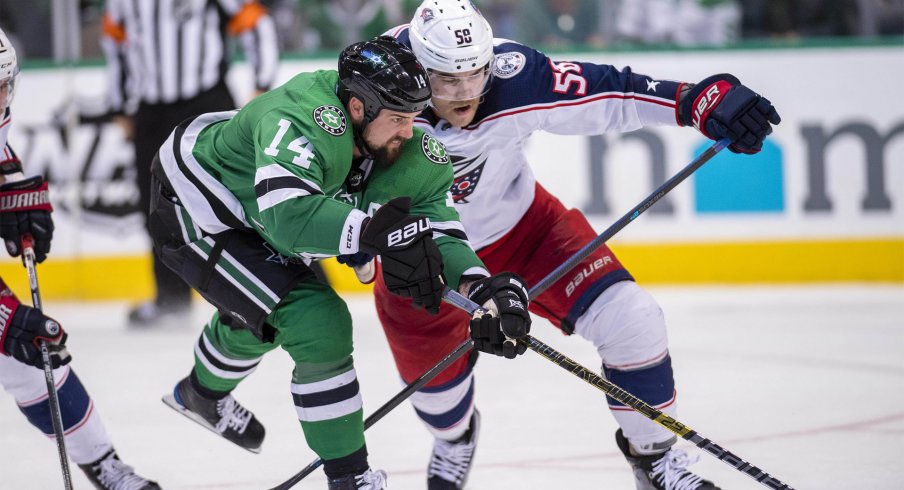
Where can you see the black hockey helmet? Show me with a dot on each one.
(383, 74)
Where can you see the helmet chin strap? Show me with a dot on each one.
(358, 135)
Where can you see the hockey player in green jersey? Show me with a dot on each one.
(326, 165)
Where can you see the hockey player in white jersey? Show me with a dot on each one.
(489, 96)
(25, 209)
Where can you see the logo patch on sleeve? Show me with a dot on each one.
(507, 65)
(434, 150)
(331, 119)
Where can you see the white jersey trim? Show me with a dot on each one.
(198, 207)
(351, 232)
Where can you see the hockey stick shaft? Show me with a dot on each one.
(638, 405)
(650, 200)
(467, 305)
(28, 258)
(450, 297)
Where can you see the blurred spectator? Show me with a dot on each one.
(317, 25)
(881, 17)
(334, 24)
(27, 23)
(681, 22)
(503, 16)
(822, 18)
(560, 23)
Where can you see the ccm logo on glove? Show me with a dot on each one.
(404, 236)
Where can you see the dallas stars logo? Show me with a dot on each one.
(331, 119)
(434, 150)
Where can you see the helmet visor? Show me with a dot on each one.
(460, 87)
(7, 90)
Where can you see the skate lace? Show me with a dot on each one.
(671, 471)
(371, 480)
(116, 475)
(232, 415)
(450, 460)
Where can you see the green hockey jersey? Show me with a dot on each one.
(279, 165)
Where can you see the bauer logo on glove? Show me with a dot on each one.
(721, 107)
(404, 236)
(412, 263)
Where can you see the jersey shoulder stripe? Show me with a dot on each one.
(218, 209)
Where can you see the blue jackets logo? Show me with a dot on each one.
(508, 65)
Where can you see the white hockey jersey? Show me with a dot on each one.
(9, 162)
(494, 185)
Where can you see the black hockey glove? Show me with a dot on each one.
(23, 327)
(506, 297)
(721, 107)
(412, 264)
(25, 209)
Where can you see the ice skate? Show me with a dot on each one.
(223, 416)
(664, 471)
(368, 480)
(109, 473)
(451, 461)
(150, 314)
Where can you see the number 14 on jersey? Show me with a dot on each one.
(299, 146)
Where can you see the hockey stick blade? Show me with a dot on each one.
(638, 405)
(171, 402)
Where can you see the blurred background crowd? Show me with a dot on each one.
(306, 26)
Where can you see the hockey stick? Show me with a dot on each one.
(450, 297)
(650, 200)
(638, 405)
(28, 259)
(456, 299)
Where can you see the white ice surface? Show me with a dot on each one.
(806, 383)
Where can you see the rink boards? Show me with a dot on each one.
(821, 203)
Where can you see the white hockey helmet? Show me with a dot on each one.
(9, 70)
(451, 37)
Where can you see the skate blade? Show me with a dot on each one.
(171, 402)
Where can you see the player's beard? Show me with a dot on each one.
(385, 156)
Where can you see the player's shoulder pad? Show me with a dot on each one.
(315, 95)
(309, 102)
(513, 60)
(305, 107)
(422, 169)
(425, 153)
(433, 149)
(331, 119)
(521, 77)
(401, 33)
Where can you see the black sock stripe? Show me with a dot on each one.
(220, 364)
(328, 397)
